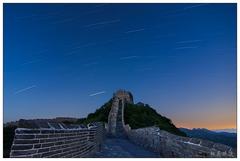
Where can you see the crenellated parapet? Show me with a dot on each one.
(56, 140)
(172, 146)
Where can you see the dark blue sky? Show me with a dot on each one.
(68, 59)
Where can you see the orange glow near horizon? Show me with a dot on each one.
(206, 126)
(210, 123)
(212, 116)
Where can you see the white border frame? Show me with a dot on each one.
(106, 1)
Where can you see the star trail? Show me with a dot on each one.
(68, 59)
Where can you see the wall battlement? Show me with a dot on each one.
(57, 143)
(173, 146)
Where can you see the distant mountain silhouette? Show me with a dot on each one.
(226, 138)
(232, 130)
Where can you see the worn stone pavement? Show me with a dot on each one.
(123, 148)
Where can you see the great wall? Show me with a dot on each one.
(55, 140)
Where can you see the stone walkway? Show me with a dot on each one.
(123, 148)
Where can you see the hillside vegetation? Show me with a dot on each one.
(137, 116)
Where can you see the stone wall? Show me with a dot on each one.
(57, 143)
(123, 97)
(169, 145)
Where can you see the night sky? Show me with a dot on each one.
(68, 59)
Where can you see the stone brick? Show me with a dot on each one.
(59, 131)
(59, 143)
(24, 136)
(51, 153)
(41, 136)
(68, 156)
(55, 156)
(37, 155)
(47, 145)
(50, 140)
(22, 152)
(69, 142)
(65, 146)
(55, 148)
(26, 141)
(22, 147)
(54, 135)
(67, 149)
(74, 151)
(22, 131)
(47, 140)
(43, 150)
(63, 154)
(47, 131)
(42, 140)
(36, 146)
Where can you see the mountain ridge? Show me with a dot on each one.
(226, 138)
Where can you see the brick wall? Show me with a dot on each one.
(124, 97)
(57, 143)
(169, 145)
